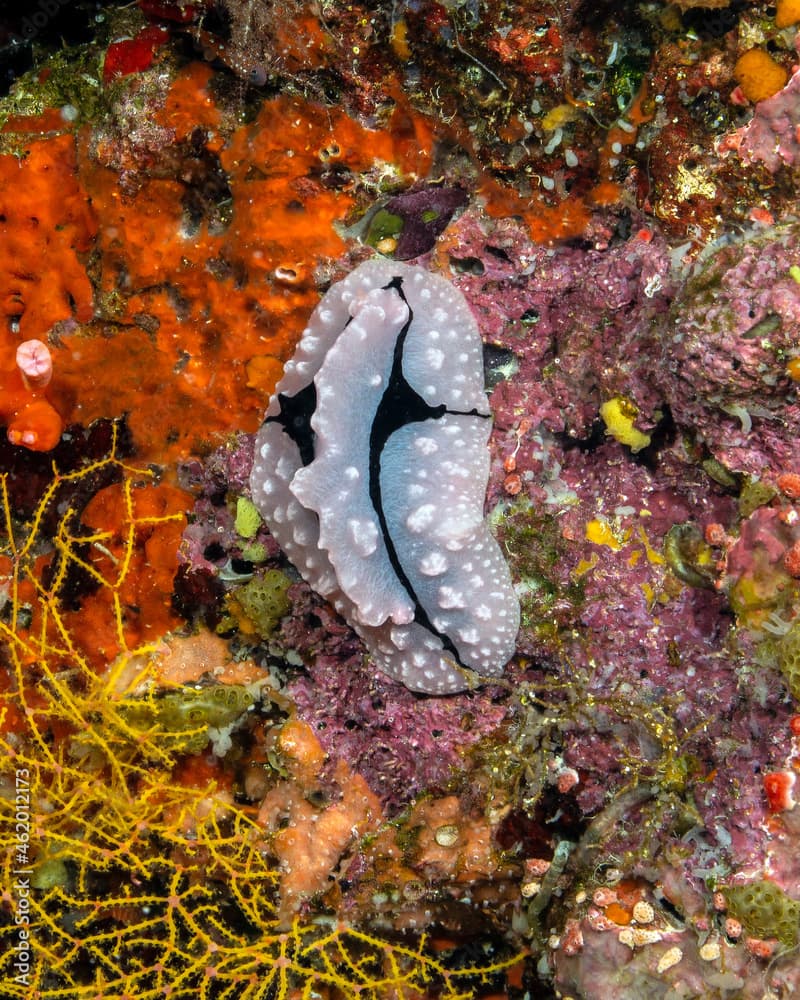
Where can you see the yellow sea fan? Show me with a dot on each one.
(122, 877)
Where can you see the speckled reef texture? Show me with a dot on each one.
(599, 199)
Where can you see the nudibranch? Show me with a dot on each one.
(371, 470)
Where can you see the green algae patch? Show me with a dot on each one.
(248, 520)
(181, 719)
(536, 553)
(257, 607)
(765, 911)
(787, 652)
(384, 225)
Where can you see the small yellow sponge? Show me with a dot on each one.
(759, 75)
(618, 415)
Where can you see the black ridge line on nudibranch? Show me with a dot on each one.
(295, 419)
(400, 405)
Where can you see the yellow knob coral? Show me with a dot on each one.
(618, 415)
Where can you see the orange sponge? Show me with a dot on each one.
(759, 75)
(788, 12)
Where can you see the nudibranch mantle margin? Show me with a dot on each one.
(371, 470)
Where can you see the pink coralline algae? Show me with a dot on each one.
(771, 136)
(638, 637)
(574, 318)
(734, 328)
(403, 746)
(649, 703)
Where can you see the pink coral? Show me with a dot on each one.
(723, 363)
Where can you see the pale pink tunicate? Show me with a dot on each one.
(35, 363)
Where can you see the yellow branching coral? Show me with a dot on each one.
(126, 873)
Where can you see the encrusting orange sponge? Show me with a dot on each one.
(37, 426)
(788, 13)
(31, 420)
(759, 75)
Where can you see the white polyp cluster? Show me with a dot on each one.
(407, 559)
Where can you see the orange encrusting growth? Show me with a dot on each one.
(302, 42)
(150, 566)
(126, 539)
(617, 138)
(190, 105)
(759, 75)
(201, 320)
(208, 319)
(553, 223)
(30, 419)
(787, 13)
(46, 224)
(546, 223)
(793, 369)
(618, 913)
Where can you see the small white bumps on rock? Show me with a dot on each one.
(371, 470)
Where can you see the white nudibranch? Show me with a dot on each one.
(371, 470)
